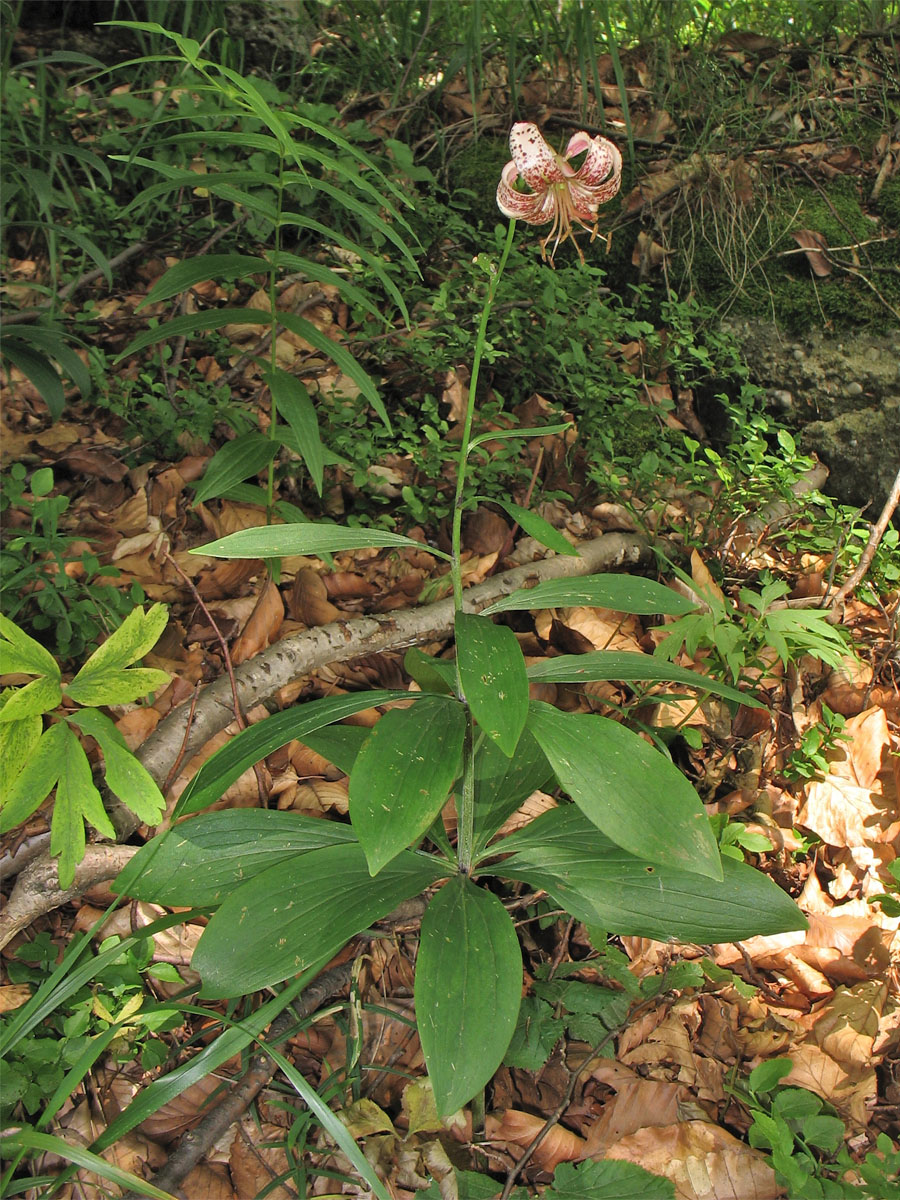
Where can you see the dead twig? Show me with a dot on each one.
(878, 529)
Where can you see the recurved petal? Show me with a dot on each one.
(603, 162)
(535, 160)
(535, 208)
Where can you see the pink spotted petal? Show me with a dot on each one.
(535, 161)
(603, 162)
(534, 208)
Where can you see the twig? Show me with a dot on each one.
(196, 1144)
(179, 759)
(837, 605)
(520, 1164)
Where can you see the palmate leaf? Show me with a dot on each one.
(21, 654)
(104, 678)
(627, 789)
(602, 885)
(403, 774)
(77, 800)
(299, 912)
(125, 776)
(34, 782)
(467, 991)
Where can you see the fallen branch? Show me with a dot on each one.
(37, 892)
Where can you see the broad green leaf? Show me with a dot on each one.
(300, 912)
(191, 271)
(135, 637)
(21, 654)
(430, 673)
(243, 458)
(279, 541)
(467, 991)
(340, 744)
(608, 1179)
(48, 1143)
(253, 744)
(403, 775)
(18, 742)
(293, 403)
(32, 785)
(602, 885)
(57, 346)
(38, 696)
(535, 526)
(628, 789)
(629, 667)
(503, 784)
(77, 801)
(622, 593)
(125, 776)
(492, 674)
(201, 861)
(40, 372)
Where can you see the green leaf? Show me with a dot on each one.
(628, 667)
(498, 434)
(125, 776)
(628, 789)
(37, 778)
(608, 1179)
(185, 275)
(195, 323)
(253, 744)
(467, 991)
(48, 1143)
(104, 678)
(201, 861)
(39, 696)
(403, 774)
(301, 911)
(77, 801)
(293, 403)
(537, 1032)
(21, 654)
(340, 744)
(40, 372)
(243, 458)
(602, 885)
(492, 674)
(535, 526)
(18, 742)
(503, 784)
(430, 673)
(622, 593)
(279, 541)
(767, 1076)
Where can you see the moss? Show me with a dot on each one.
(888, 204)
(476, 169)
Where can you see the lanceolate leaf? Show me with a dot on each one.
(492, 674)
(238, 460)
(403, 774)
(201, 861)
(191, 271)
(34, 782)
(601, 884)
(503, 784)
(629, 667)
(125, 776)
(253, 744)
(276, 541)
(294, 405)
(535, 526)
(301, 911)
(623, 593)
(627, 789)
(468, 989)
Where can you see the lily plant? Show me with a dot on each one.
(625, 845)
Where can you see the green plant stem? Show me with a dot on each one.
(466, 838)
(455, 565)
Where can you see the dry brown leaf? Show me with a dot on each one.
(254, 1165)
(851, 1093)
(485, 532)
(520, 1128)
(867, 750)
(813, 243)
(703, 1161)
(262, 628)
(636, 1104)
(13, 996)
(309, 601)
(843, 814)
(209, 1182)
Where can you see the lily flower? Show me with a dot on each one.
(558, 193)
